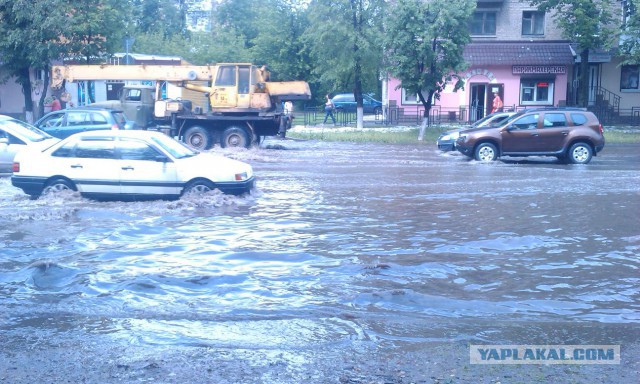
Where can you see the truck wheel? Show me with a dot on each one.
(198, 138)
(235, 137)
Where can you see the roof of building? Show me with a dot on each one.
(518, 53)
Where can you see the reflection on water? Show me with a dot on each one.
(333, 233)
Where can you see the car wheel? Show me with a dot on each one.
(198, 138)
(580, 153)
(235, 137)
(486, 152)
(198, 187)
(58, 185)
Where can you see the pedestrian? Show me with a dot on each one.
(55, 104)
(287, 119)
(497, 103)
(328, 110)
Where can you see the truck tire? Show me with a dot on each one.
(198, 138)
(235, 137)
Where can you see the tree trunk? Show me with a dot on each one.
(25, 81)
(356, 9)
(583, 81)
(427, 111)
(43, 95)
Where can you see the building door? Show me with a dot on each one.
(477, 102)
(491, 89)
(113, 90)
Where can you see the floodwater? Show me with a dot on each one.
(349, 263)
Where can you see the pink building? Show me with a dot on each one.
(518, 52)
(523, 74)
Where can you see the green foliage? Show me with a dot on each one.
(630, 48)
(344, 41)
(585, 22)
(159, 17)
(588, 23)
(94, 28)
(425, 42)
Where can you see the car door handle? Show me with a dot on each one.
(535, 134)
(565, 133)
(127, 168)
(76, 166)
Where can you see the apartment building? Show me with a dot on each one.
(519, 53)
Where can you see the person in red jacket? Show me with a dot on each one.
(497, 103)
(55, 104)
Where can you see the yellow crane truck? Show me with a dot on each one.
(244, 105)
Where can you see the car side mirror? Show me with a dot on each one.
(4, 140)
(161, 159)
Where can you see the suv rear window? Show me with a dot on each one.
(578, 118)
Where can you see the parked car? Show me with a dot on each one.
(573, 134)
(447, 140)
(66, 122)
(16, 136)
(347, 102)
(128, 164)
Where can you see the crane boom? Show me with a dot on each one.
(130, 72)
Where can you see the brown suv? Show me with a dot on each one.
(573, 134)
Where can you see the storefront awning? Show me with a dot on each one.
(518, 53)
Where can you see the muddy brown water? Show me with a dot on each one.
(349, 263)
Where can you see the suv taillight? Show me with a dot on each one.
(114, 127)
(600, 128)
(16, 167)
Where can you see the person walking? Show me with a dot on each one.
(328, 111)
(497, 103)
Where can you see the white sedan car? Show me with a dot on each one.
(16, 136)
(127, 165)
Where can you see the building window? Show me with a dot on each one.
(536, 92)
(532, 23)
(630, 78)
(483, 23)
(412, 98)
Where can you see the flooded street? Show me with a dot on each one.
(350, 263)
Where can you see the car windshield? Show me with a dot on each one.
(479, 122)
(28, 131)
(174, 147)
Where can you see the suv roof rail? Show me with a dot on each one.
(556, 109)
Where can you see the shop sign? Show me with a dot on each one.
(539, 69)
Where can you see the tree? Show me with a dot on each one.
(344, 38)
(424, 45)
(278, 42)
(630, 47)
(588, 23)
(164, 17)
(35, 33)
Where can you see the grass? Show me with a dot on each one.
(374, 135)
(622, 137)
(410, 136)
